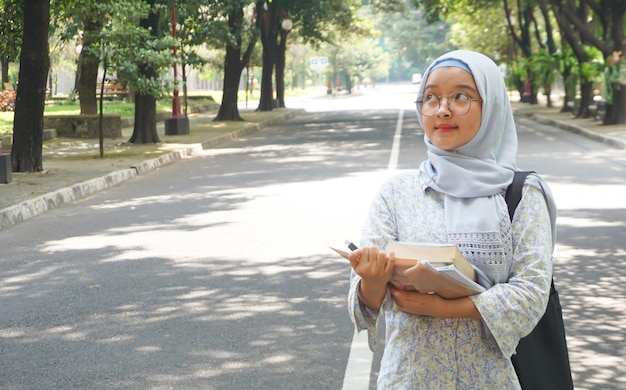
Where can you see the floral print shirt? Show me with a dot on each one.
(424, 352)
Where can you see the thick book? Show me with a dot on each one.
(431, 268)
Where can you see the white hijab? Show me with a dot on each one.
(475, 176)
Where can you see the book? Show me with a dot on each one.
(431, 268)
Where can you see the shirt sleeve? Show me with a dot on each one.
(363, 317)
(511, 310)
(378, 230)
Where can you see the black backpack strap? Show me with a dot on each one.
(541, 360)
(513, 193)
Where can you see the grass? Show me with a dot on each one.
(125, 109)
(122, 108)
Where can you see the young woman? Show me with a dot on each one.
(457, 196)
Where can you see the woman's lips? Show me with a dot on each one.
(444, 127)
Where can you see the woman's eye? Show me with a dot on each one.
(430, 97)
(460, 97)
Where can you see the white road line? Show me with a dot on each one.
(357, 376)
(358, 370)
(395, 147)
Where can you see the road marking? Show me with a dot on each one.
(358, 370)
(395, 147)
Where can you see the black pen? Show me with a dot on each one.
(351, 245)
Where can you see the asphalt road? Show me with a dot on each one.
(214, 272)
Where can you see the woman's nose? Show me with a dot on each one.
(444, 107)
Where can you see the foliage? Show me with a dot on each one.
(615, 73)
(205, 22)
(121, 44)
(516, 73)
(201, 23)
(544, 67)
(11, 29)
(126, 48)
(591, 71)
(567, 64)
(72, 97)
(411, 50)
(7, 100)
(489, 36)
(359, 58)
(330, 21)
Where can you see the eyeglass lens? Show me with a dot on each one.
(459, 103)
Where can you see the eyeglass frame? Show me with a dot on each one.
(420, 101)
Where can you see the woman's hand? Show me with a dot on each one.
(414, 302)
(375, 269)
(373, 266)
(433, 305)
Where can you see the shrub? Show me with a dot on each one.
(7, 100)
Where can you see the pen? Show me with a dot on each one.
(351, 245)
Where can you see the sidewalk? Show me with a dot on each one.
(73, 168)
(613, 135)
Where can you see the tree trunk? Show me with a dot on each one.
(31, 91)
(619, 103)
(586, 92)
(614, 111)
(268, 39)
(5, 71)
(232, 74)
(144, 130)
(266, 100)
(233, 66)
(280, 69)
(88, 62)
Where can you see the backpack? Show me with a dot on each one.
(541, 360)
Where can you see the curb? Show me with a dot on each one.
(13, 215)
(608, 140)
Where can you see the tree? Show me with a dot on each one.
(600, 24)
(235, 61)
(267, 25)
(313, 21)
(521, 21)
(576, 41)
(229, 26)
(192, 31)
(88, 63)
(11, 29)
(144, 129)
(414, 52)
(358, 58)
(124, 36)
(83, 20)
(31, 91)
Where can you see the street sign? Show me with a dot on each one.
(319, 63)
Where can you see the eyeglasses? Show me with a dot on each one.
(459, 103)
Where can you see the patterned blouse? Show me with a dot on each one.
(423, 352)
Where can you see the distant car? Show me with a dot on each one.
(416, 78)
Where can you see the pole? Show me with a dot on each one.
(176, 113)
(177, 123)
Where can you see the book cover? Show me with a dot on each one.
(431, 268)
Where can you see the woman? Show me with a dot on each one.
(457, 196)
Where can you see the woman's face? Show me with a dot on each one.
(444, 129)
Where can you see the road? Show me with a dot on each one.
(214, 272)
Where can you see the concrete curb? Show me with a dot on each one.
(31, 208)
(608, 140)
